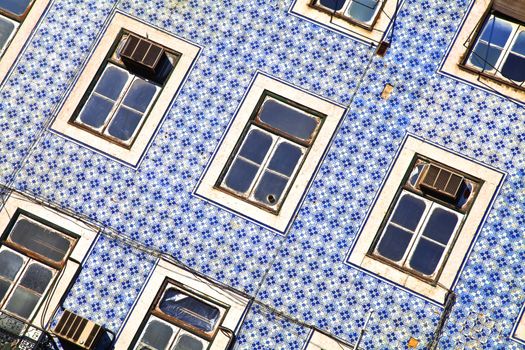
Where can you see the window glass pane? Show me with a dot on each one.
(124, 123)
(270, 188)
(335, 5)
(22, 302)
(484, 56)
(112, 82)
(187, 342)
(10, 264)
(288, 119)
(241, 175)
(362, 10)
(256, 146)
(408, 212)
(96, 111)
(189, 310)
(394, 243)
(440, 226)
(514, 67)
(496, 32)
(36, 278)
(17, 7)
(40, 239)
(285, 158)
(6, 29)
(140, 95)
(519, 44)
(157, 335)
(426, 256)
(4, 287)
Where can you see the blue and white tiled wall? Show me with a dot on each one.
(301, 277)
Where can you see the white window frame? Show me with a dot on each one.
(206, 187)
(519, 329)
(232, 318)
(11, 36)
(517, 29)
(86, 235)
(132, 155)
(437, 290)
(452, 67)
(373, 32)
(430, 206)
(320, 341)
(21, 35)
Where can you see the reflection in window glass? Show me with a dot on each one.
(7, 29)
(16, 7)
(514, 66)
(363, 10)
(187, 342)
(157, 335)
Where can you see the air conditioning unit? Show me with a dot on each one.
(78, 330)
(142, 55)
(441, 182)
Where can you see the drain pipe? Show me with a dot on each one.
(363, 330)
(449, 303)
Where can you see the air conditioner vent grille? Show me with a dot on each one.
(78, 330)
(442, 182)
(142, 55)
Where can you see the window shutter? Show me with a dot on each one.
(511, 8)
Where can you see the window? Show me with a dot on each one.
(425, 218)
(489, 50)
(270, 152)
(178, 311)
(18, 18)
(365, 20)
(36, 254)
(30, 257)
(122, 96)
(277, 139)
(126, 87)
(518, 332)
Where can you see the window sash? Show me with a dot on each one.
(18, 278)
(263, 167)
(344, 11)
(417, 234)
(506, 50)
(11, 36)
(118, 103)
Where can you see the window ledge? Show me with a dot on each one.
(444, 281)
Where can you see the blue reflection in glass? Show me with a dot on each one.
(112, 82)
(334, 5)
(408, 212)
(140, 95)
(288, 119)
(124, 123)
(285, 158)
(394, 243)
(6, 29)
(485, 56)
(496, 32)
(441, 225)
(241, 175)
(362, 10)
(96, 111)
(426, 256)
(256, 146)
(270, 188)
(16, 7)
(514, 66)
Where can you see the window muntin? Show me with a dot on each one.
(500, 49)
(120, 99)
(30, 258)
(161, 335)
(361, 11)
(276, 141)
(422, 225)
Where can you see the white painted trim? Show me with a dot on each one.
(86, 234)
(22, 35)
(164, 269)
(279, 222)
(457, 52)
(301, 8)
(320, 341)
(518, 332)
(133, 155)
(459, 250)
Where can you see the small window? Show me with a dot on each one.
(125, 91)
(425, 218)
(180, 319)
(270, 152)
(363, 12)
(31, 256)
(267, 159)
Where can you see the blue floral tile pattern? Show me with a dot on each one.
(301, 277)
